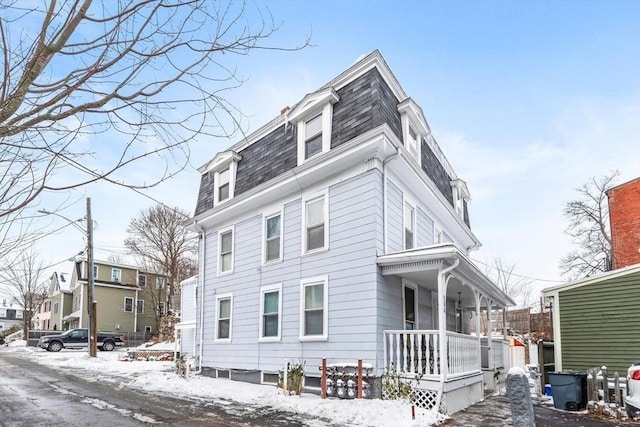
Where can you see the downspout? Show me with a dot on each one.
(442, 316)
(384, 198)
(135, 314)
(200, 295)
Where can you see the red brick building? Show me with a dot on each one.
(624, 217)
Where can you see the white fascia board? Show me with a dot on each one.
(551, 291)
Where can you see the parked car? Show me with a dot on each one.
(78, 338)
(632, 399)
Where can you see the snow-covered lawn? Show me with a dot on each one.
(160, 378)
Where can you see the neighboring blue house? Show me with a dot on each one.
(340, 230)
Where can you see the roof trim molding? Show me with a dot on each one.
(220, 161)
(312, 102)
(594, 279)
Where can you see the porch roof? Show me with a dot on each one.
(421, 265)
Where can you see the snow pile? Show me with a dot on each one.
(160, 378)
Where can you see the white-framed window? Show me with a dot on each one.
(315, 230)
(410, 305)
(273, 238)
(313, 117)
(312, 136)
(223, 185)
(159, 282)
(223, 169)
(55, 308)
(409, 226)
(412, 142)
(414, 128)
(140, 306)
(161, 308)
(270, 312)
(224, 311)
(460, 193)
(95, 271)
(142, 280)
(128, 304)
(116, 275)
(225, 249)
(313, 308)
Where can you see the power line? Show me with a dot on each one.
(493, 267)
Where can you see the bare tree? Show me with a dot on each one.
(589, 229)
(21, 282)
(92, 89)
(163, 246)
(516, 286)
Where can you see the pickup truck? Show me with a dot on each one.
(78, 338)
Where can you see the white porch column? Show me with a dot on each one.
(489, 343)
(443, 279)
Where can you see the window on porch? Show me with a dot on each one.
(410, 300)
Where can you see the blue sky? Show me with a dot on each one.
(526, 99)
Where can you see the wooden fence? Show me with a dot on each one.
(602, 388)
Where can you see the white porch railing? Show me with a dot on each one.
(417, 352)
(499, 350)
(464, 353)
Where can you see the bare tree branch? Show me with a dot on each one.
(588, 228)
(22, 282)
(516, 286)
(163, 246)
(93, 90)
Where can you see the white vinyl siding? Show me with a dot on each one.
(409, 226)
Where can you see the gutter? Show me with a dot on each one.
(200, 293)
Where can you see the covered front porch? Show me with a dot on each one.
(453, 358)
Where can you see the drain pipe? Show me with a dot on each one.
(200, 294)
(442, 315)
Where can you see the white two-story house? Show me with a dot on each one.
(339, 230)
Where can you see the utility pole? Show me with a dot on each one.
(91, 305)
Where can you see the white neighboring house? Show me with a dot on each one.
(340, 230)
(10, 315)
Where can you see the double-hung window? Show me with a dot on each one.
(315, 227)
(116, 275)
(412, 142)
(313, 313)
(224, 307)
(273, 238)
(226, 251)
(140, 306)
(159, 282)
(313, 137)
(409, 226)
(270, 312)
(142, 280)
(95, 271)
(128, 304)
(223, 185)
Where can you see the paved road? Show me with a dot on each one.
(36, 395)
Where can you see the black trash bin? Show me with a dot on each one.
(569, 390)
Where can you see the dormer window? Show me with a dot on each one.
(414, 128)
(460, 194)
(312, 117)
(223, 170)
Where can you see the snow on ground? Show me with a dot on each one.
(160, 378)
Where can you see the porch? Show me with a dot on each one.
(452, 363)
